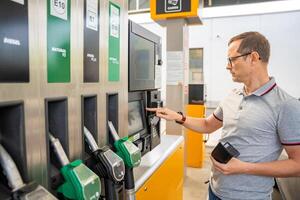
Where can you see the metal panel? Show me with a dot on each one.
(34, 93)
(29, 94)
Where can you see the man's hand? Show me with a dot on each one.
(234, 166)
(165, 113)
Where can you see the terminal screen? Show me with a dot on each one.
(135, 121)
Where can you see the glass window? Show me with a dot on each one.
(196, 66)
(144, 4)
(212, 3)
(132, 5)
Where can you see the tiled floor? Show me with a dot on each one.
(194, 186)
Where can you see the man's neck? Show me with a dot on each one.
(253, 84)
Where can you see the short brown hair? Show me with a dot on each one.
(253, 41)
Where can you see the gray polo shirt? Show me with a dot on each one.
(257, 125)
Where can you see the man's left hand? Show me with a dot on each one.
(234, 166)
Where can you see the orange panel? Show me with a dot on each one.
(192, 13)
(195, 146)
(167, 181)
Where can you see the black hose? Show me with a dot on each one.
(129, 178)
(110, 190)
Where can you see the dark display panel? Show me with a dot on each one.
(135, 120)
(91, 41)
(144, 55)
(196, 94)
(14, 50)
(143, 60)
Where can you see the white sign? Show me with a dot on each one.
(158, 77)
(60, 50)
(175, 71)
(92, 57)
(172, 5)
(11, 41)
(113, 60)
(59, 8)
(19, 1)
(114, 21)
(92, 14)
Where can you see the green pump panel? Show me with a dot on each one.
(114, 43)
(58, 41)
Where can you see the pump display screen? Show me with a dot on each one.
(135, 120)
(143, 60)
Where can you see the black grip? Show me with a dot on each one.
(129, 179)
(110, 190)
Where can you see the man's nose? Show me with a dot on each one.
(228, 66)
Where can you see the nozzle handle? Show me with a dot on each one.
(113, 131)
(10, 170)
(59, 151)
(90, 140)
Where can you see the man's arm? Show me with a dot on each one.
(280, 168)
(201, 125)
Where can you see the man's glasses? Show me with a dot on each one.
(231, 59)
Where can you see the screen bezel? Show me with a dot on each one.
(143, 33)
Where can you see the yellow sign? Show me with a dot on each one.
(164, 9)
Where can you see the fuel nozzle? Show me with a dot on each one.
(90, 140)
(110, 165)
(11, 171)
(130, 153)
(131, 156)
(20, 190)
(58, 150)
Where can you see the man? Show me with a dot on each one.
(259, 120)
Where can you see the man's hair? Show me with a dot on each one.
(253, 41)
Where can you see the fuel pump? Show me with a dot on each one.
(131, 156)
(20, 190)
(80, 182)
(109, 165)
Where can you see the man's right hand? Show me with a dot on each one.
(166, 113)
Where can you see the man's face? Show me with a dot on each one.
(239, 67)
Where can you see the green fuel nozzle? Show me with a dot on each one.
(130, 153)
(81, 183)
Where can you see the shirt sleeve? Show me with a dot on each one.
(218, 113)
(289, 122)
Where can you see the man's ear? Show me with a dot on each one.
(255, 57)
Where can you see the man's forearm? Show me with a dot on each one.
(197, 124)
(279, 168)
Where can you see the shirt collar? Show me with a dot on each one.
(266, 88)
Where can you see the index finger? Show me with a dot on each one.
(152, 109)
